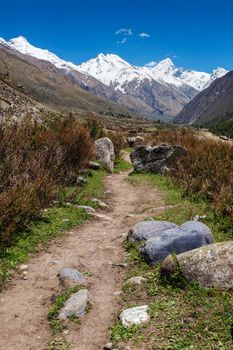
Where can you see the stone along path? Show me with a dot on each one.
(95, 247)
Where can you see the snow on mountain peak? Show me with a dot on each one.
(113, 71)
(2, 41)
(20, 40)
(23, 46)
(219, 72)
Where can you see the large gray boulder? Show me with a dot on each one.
(105, 153)
(188, 236)
(158, 159)
(210, 266)
(148, 229)
(75, 305)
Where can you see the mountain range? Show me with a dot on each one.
(158, 89)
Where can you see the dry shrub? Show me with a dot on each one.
(97, 131)
(118, 141)
(95, 126)
(206, 171)
(36, 160)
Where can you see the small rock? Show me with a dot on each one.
(99, 203)
(25, 273)
(88, 209)
(101, 216)
(117, 293)
(122, 265)
(23, 267)
(108, 346)
(81, 181)
(138, 280)
(108, 193)
(94, 165)
(75, 305)
(135, 316)
(70, 277)
(124, 235)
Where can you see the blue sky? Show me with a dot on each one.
(194, 34)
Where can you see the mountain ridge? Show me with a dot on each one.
(211, 105)
(158, 89)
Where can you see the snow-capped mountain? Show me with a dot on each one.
(162, 87)
(22, 45)
(112, 70)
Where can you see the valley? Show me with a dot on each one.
(116, 176)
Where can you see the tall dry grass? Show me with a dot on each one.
(206, 171)
(36, 161)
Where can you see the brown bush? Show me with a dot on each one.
(36, 160)
(95, 126)
(207, 170)
(118, 141)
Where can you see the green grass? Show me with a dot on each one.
(58, 344)
(54, 222)
(122, 165)
(184, 316)
(185, 208)
(55, 324)
(181, 318)
(118, 332)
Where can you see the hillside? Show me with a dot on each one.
(211, 105)
(44, 83)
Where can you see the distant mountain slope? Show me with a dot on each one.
(210, 105)
(43, 82)
(153, 90)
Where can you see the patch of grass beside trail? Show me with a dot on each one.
(54, 222)
(55, 324)
(185, 208)
(184, 316)
(122, 165)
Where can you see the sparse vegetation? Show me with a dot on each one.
(122, 165)
(183, 315)
(206, 172)
(58, 344)
(55, 324)
(36, 161)
(53, 221)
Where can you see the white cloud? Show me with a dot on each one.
(123, 41)
(151, 64)
(144, 35)
(124, 31)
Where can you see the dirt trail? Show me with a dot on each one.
(93, 247)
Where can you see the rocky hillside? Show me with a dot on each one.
(14, 103)
(158, 90)
(210, 105)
